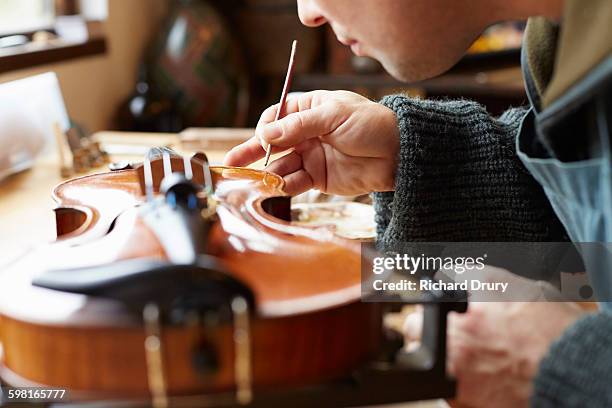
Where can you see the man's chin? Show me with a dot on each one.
(410, 72)
(399, 74)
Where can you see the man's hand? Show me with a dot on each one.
(341, 143)
(495, 348)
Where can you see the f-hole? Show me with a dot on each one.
(279, 207)
(68, 220)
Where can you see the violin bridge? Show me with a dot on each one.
(160, 162)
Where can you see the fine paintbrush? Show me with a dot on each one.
(283, 99)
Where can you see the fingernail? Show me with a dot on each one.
(273, 131)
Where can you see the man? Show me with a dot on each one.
(447, 171)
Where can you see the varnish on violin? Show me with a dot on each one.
(174, 283)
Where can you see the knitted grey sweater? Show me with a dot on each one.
(459, 179)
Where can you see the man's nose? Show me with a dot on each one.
(309, 13)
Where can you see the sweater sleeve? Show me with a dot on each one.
(576, 370)
(459, 178)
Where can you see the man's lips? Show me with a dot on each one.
(355, 45)
(347, 41)
(357, 50)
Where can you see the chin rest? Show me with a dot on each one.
(177, 289)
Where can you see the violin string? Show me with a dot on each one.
(148, 178)
(167, 163)
(152, 154)
(188, 169)
(208, 184)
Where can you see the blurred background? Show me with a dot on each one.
(165, 65)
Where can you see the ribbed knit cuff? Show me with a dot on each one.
(576, 372)
(383, 210)
(459, 178)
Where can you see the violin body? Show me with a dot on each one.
(306, 323)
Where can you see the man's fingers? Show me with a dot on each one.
(247, 153)
(303, 119)
(304, 101)
(314, 162)
(287, 164)
(413, 325)
(300, 126)
(298, 182)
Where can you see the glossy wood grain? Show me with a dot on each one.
(287, 351)
(308, 325)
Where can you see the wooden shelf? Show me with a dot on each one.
(31, 54)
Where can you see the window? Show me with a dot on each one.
(22, 16)
(78, 25)
(94, 10)
(26, 16)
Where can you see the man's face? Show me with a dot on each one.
(412, 39)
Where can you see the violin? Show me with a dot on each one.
(173, 282)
